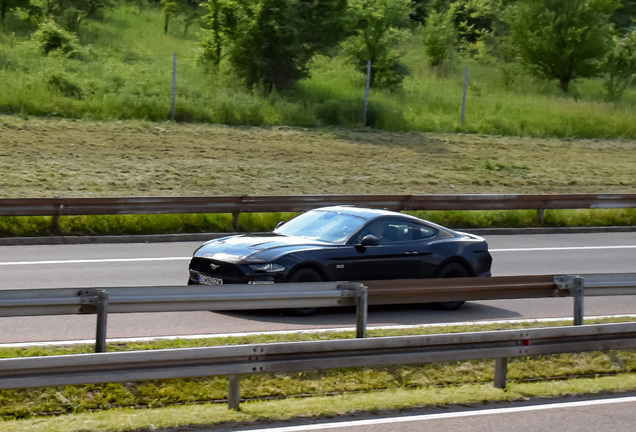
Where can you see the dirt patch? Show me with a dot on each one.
(47, 158)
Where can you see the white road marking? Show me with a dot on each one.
(111, 260)
(563, 248)
(481, 412)
(281, 332)
(104, 260)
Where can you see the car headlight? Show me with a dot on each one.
(268, 267)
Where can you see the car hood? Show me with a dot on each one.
(255, 248)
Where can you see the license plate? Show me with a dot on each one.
(208, 280)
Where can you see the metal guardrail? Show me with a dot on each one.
(236, 205)
(296, 356)
(100, 301)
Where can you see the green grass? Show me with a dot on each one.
(260, 222)
(434, 377)
(325, 407)
(127, 75)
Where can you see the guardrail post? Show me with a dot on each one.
(56, 229)
(501, 372)
(579, 294)
(236, 218)
(540, 216)
(234, 392)
(362, 303)
(96, 302)
(102, 315)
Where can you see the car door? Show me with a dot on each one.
(396, 257)
(429, 255)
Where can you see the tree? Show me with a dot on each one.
(561, 39)
(271, 41)
(440, 35)
(169, 8)
(620, 65)
(378, 25)
(191, 14)
(212, 44)
(625, 16)
(9, 5)
(70, 13)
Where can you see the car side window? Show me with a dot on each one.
(388, 231)
(421, 232)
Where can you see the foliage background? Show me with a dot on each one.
(122, 65)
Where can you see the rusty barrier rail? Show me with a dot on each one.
(312, 355)
(100, 301)
(236, 205)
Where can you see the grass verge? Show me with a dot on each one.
(442, 379)
(38, 226)
(128, 419)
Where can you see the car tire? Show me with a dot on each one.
(190, 282)
(305, 274)
(452, 270)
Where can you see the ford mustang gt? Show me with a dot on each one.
(342, 244)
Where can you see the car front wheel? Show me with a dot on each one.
(452, 270)
(304, 275)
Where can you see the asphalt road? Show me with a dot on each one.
(590, 415)
(166, 264)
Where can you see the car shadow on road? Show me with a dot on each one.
(412, 314)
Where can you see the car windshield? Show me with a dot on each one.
(322, 225)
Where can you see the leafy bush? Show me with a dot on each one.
(51, 37)
(65, 87)
(620, 66)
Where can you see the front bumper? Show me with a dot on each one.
(231, 273)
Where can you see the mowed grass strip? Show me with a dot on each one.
(48, 157)
(47, 401)
(325, 407)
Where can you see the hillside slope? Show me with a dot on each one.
(47, 158)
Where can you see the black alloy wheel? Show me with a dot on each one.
(305, 274)
(451, 270)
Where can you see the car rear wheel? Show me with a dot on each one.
(452, 270)
(304, 275)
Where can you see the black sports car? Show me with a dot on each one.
(342, 244)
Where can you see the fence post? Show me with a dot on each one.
(464, 99)
(362, 302)
(579, 295)
(366, 93)
(174, 83)
(501, 372)
(234, 392)
(102, 315)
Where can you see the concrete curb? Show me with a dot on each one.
(202, 237)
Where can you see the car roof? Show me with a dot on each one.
(366, 213)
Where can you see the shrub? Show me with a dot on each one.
(50, 38)
(65, 87)
(620, 66)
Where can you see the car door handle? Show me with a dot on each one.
(410, 253)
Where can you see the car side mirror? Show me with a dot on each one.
(369, 240)
(279, 224)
